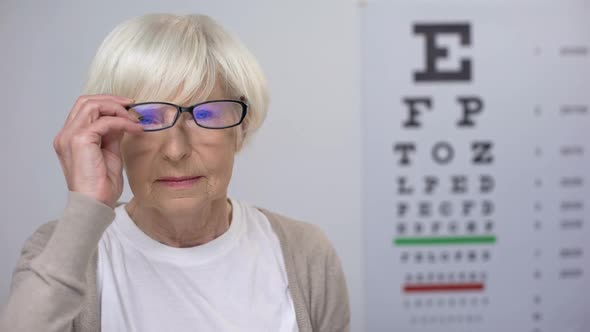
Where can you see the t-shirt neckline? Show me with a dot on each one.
(197, 255)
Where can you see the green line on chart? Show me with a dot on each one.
(444, 240)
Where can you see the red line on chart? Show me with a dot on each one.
(427, 288)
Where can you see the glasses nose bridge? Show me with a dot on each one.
(183, 109)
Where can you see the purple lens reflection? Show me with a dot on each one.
(155, 116)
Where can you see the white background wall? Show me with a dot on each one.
(305, 162)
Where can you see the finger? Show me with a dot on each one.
(82, 100)
(83, 104)
(103, 126)
(109, 124)
(93, 110)
(111, 127)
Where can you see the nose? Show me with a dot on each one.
(177, 144)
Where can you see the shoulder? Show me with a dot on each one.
(306, 247)
(297, 235)
(314, 270)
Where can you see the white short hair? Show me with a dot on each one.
(178, 58)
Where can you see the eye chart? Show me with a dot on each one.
(476, 165)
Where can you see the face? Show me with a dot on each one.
(183, 150)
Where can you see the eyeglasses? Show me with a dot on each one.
(213, 114)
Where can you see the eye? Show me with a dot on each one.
(203, 114)
(147, 119)
(151, 116)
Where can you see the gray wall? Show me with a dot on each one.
(310, 51)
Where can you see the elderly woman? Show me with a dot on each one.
(170, 99)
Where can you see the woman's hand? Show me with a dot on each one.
(88, 146)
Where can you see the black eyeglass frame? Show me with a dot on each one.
(190, 109)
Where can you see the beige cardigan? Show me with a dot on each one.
(54, 284)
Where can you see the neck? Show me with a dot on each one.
(183, 230)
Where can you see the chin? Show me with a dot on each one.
(176, 203)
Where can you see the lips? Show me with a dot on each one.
(180, 182)
(177, 179)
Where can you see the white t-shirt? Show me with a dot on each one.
(236, 282)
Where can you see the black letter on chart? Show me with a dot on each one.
(414, 111)
(482, 152)
(442, 153)
(404, 148)
(434, 52)
(471, 106)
